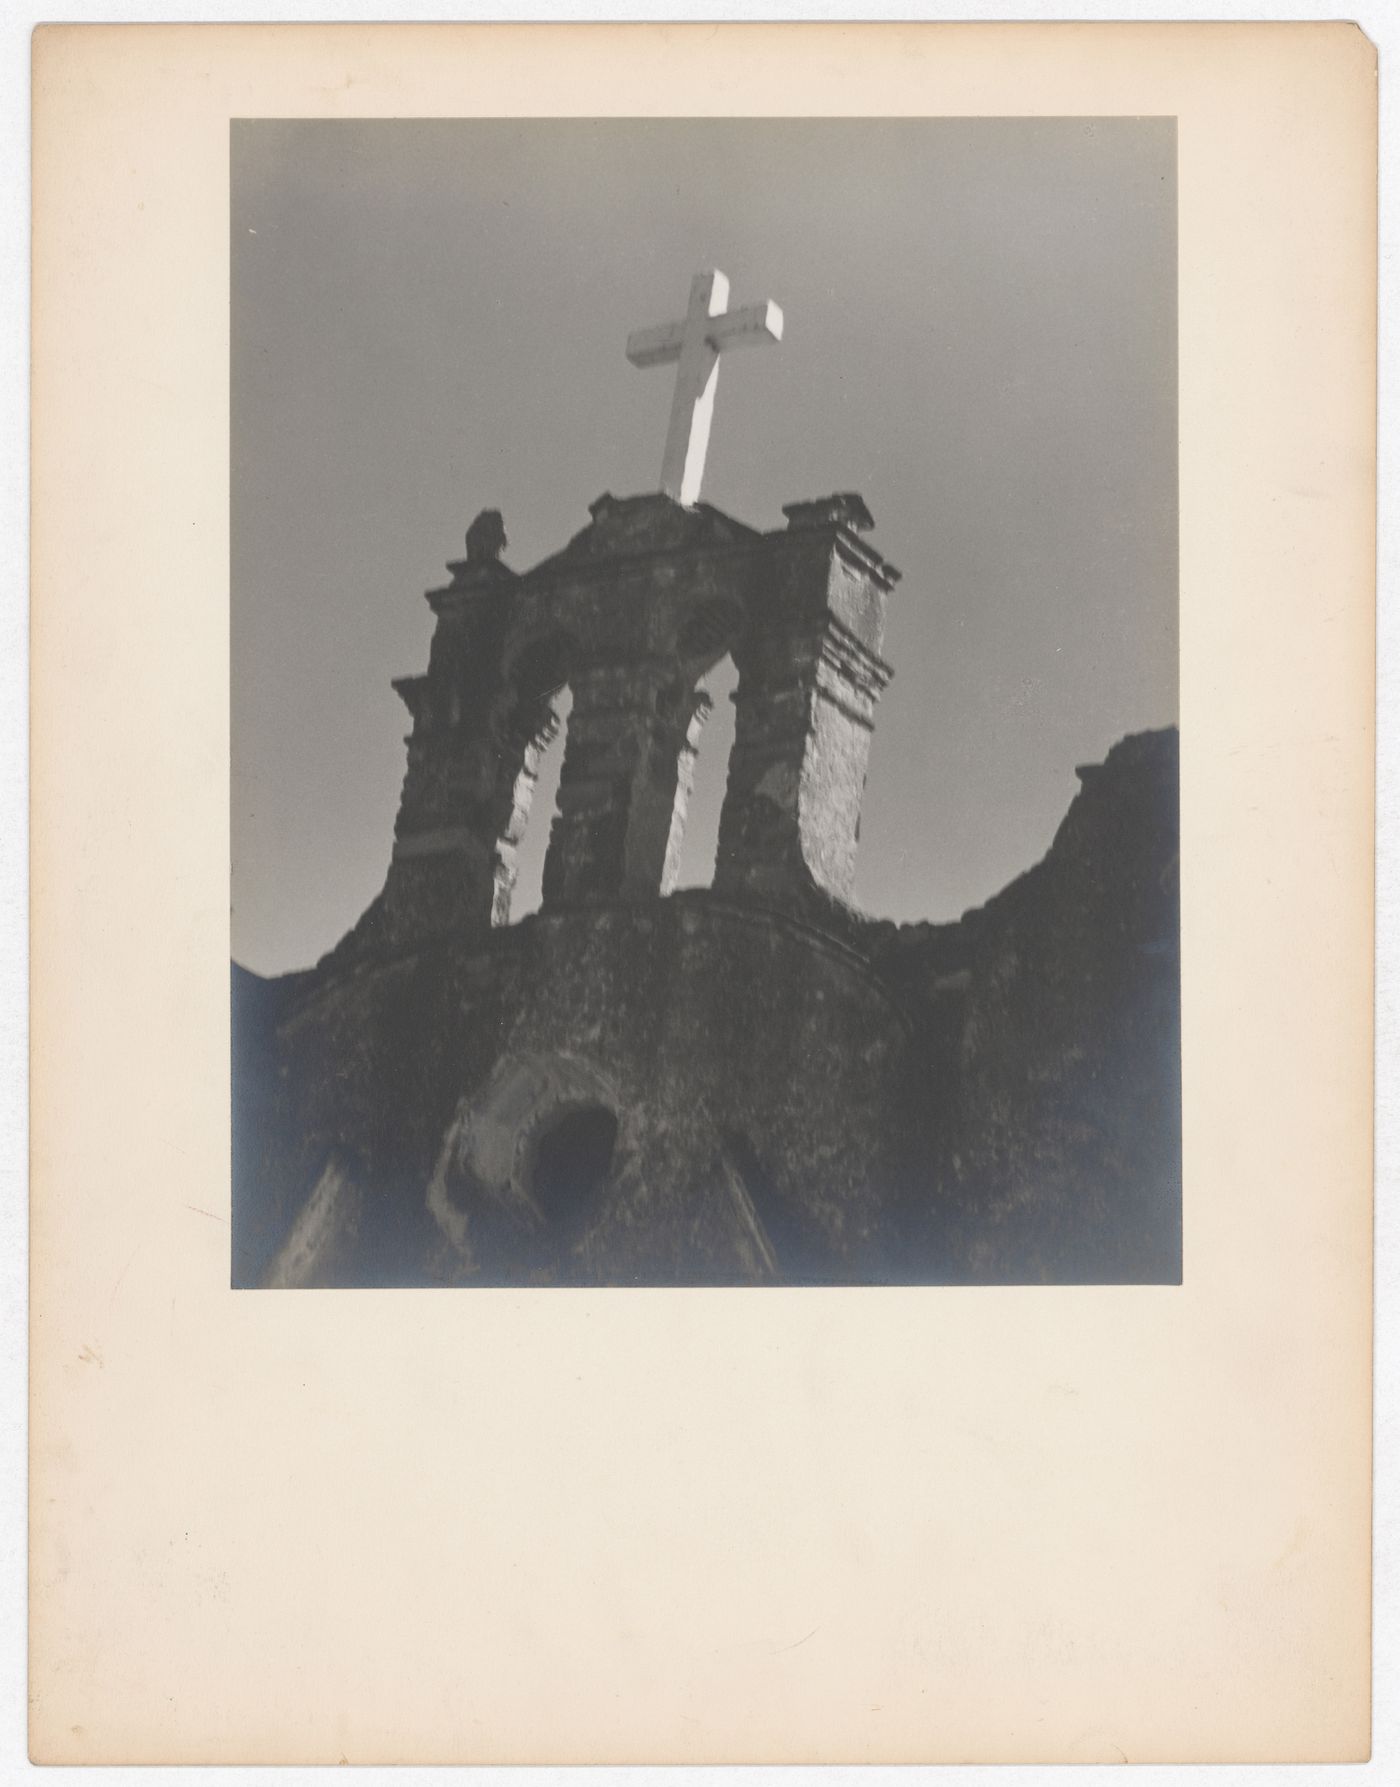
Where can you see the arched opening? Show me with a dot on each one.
(543, 765)
(704, 776)
(531, 742)
(570, 1171)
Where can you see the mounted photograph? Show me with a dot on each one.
(756, 861)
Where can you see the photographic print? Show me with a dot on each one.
(755, 862)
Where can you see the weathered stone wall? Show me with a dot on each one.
(747, 1149)
(1051, 1048)
(810, 675)
(363, 1066)
(665, 1017)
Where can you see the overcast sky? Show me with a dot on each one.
(429, 318)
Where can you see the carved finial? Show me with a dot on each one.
(486, 537)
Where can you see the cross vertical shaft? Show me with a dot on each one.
(693, 403)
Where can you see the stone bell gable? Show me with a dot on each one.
(630, 616)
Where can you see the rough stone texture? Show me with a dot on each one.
(746, 1084)
(1051, 1051)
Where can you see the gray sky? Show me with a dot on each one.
(428, 319)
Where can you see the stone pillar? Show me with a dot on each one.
(810, 675)
(617, 787)
(458, 788)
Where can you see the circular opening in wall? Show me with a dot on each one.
(572, 1162)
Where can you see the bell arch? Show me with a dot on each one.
(700, 737)
(530, 732)
(702, 780)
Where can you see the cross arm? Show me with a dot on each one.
(654, 347)
(749, 327)
(752, 326)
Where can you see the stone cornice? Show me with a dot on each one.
(853, 660)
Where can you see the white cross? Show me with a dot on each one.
(697, 343)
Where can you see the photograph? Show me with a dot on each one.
(701, 816)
